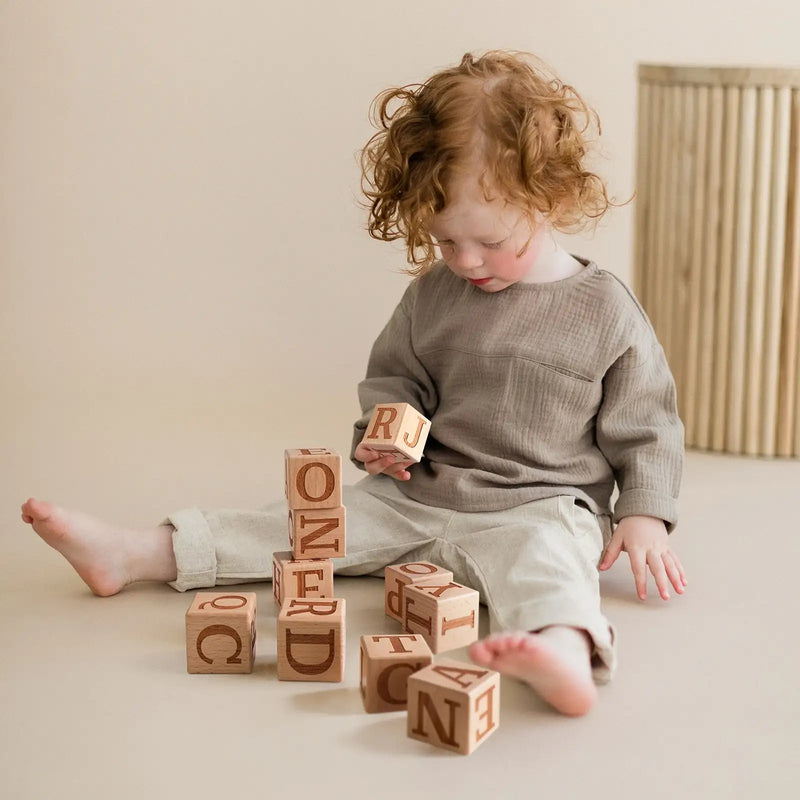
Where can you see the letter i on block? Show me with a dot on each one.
(311, 637)
(386, 662)
(397, 428)
(221, 632)
(398, 576)
(453, 705)
(446, 614)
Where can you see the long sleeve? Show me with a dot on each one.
(640, 433)
(394, 372)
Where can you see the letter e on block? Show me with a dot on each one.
(311, 640)
(453, 705)
(398, 576)
(387, 660)
(397, 428)
(313, 478)
(221, 632)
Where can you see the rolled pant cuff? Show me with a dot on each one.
(195, 554)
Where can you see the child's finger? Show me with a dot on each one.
(672, 571)
(639, 567)
(656, 564)
(379, 465)
(612, 553)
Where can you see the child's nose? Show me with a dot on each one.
(468, 258)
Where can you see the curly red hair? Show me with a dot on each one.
(503, 110)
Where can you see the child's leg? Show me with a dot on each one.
(107, 557)
(197, 549)
(536, 567)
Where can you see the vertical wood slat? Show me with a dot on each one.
(718, 249)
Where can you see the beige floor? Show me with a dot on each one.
(96, 702)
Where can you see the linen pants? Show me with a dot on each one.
(534, 565)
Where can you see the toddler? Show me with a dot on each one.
(540, 372)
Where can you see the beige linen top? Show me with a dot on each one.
(537, 390)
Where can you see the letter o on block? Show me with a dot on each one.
(221, 632)
(313, 478)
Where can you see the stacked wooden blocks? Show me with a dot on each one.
(311, 622)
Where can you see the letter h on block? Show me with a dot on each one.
(446, 614)
(311, 639)
(397, 428)
(386, 662)
(221, 632)
(314, 493)
(453, 705)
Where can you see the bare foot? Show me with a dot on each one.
(106, 557)
(555, 662)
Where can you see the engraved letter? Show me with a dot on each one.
(446, 737)
(222, 630)
(380, 422)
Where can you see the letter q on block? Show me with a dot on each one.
(453, 705)
(221, 632)
(397, 428)
(313, 478)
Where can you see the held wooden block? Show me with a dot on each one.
(313, 478)
(221, 632)
(397, 428)
(399, 576)
(311, 639)
(317, 533)
(301, 579)
(453, 705)
(386, 663)
(446, 614)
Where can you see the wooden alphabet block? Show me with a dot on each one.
(446, 614)
(399, 576)
(317, 533)
(221, 632)
(453, 705)
(313, 478)
(300, 579)
(311, 640)
(397, 428)
(386, 663)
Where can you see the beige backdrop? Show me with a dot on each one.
(186, 284)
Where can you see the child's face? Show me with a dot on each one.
(480, 240)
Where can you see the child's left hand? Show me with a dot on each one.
(646, 542)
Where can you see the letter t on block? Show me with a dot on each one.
(397, 428)
(453, 705)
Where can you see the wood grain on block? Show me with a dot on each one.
(446, 614)
(453, 705)
(397, 428)
(311, 640)
(313, 478)
(301, 579)
(317, 532)
(221, 632)
(397, 576)
(387, 660)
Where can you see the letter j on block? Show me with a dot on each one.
(397, 428)
(313, 478)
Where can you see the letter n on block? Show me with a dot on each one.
(386, 662)
(313, 478)
(453, 705)
(311, 637)
(221, 632)
(397, 428)
(317, 533)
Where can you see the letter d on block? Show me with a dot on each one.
(311, 637)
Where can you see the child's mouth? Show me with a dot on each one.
(479, 281)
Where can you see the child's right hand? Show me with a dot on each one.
(377, 463)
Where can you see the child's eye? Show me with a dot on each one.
(493, 245)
